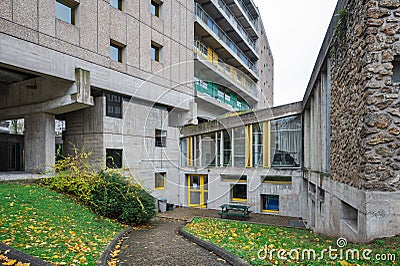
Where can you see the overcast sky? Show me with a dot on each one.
(295, 31)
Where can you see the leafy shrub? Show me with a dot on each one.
(107, 192)
(116, 197)
(74, 176)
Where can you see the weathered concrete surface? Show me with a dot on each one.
(39, 142)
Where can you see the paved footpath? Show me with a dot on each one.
(160, 244)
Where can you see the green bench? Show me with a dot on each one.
(234, 210)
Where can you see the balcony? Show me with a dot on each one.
(221, 39)
(221, 13)
(246, 12)
(208, 66)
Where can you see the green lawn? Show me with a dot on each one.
(51, 226)
(246, 240)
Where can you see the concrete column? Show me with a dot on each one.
(39, 142)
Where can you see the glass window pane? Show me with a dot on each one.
(208, 150)
(270, 202)
(64, 12)
(114, 106)
(159, 180)
(116, 3)
(257, 145)
(155, 53)
(240, 146)
(195, 182)
(195, 198)
(155, 9)
(286, 142)
(160, 138)
(227, 148)
(184, 148)
(114, 158)
(239, 191)
(114, 53)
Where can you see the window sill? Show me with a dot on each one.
(238, 200)
(270, 211)
(277, 183)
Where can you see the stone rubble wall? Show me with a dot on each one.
(365, 114)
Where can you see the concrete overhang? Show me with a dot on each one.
(238, 120)
(243, 18)
(9, 75)
(41, 61)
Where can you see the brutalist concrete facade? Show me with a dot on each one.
(52, 69)
(351, 125)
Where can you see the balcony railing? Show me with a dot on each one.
(249, 16)
(234, 21)
(202, 52)
(221, 34)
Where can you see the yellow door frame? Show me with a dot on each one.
(201, 190)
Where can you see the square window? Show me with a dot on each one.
(159, 180)
(161, 138)
(239, 192)
(270, 203)
(116, 52)
(65, 11)
(114, 158)
(155, 8)
(155, 53)
(114, 105)
(117, 4)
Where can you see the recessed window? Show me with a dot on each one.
(118, 4)
(65, 11)
(161, 138)
(278, 179)
(270, 203)
(116, 51)
(234, 178)
(114, 105)
(349, 215)
(160, 180)
(155, 52)
(239, 192)
(155, 8)
(114, 158)
(396, 70)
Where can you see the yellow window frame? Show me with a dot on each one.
(190, 152)
(249, 146)
(237, 199)
(164, 175)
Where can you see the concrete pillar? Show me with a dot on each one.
(39, 142)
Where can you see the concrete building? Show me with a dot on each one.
(125, 76)
(331, 159)
(350, 125)
(179, 93)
